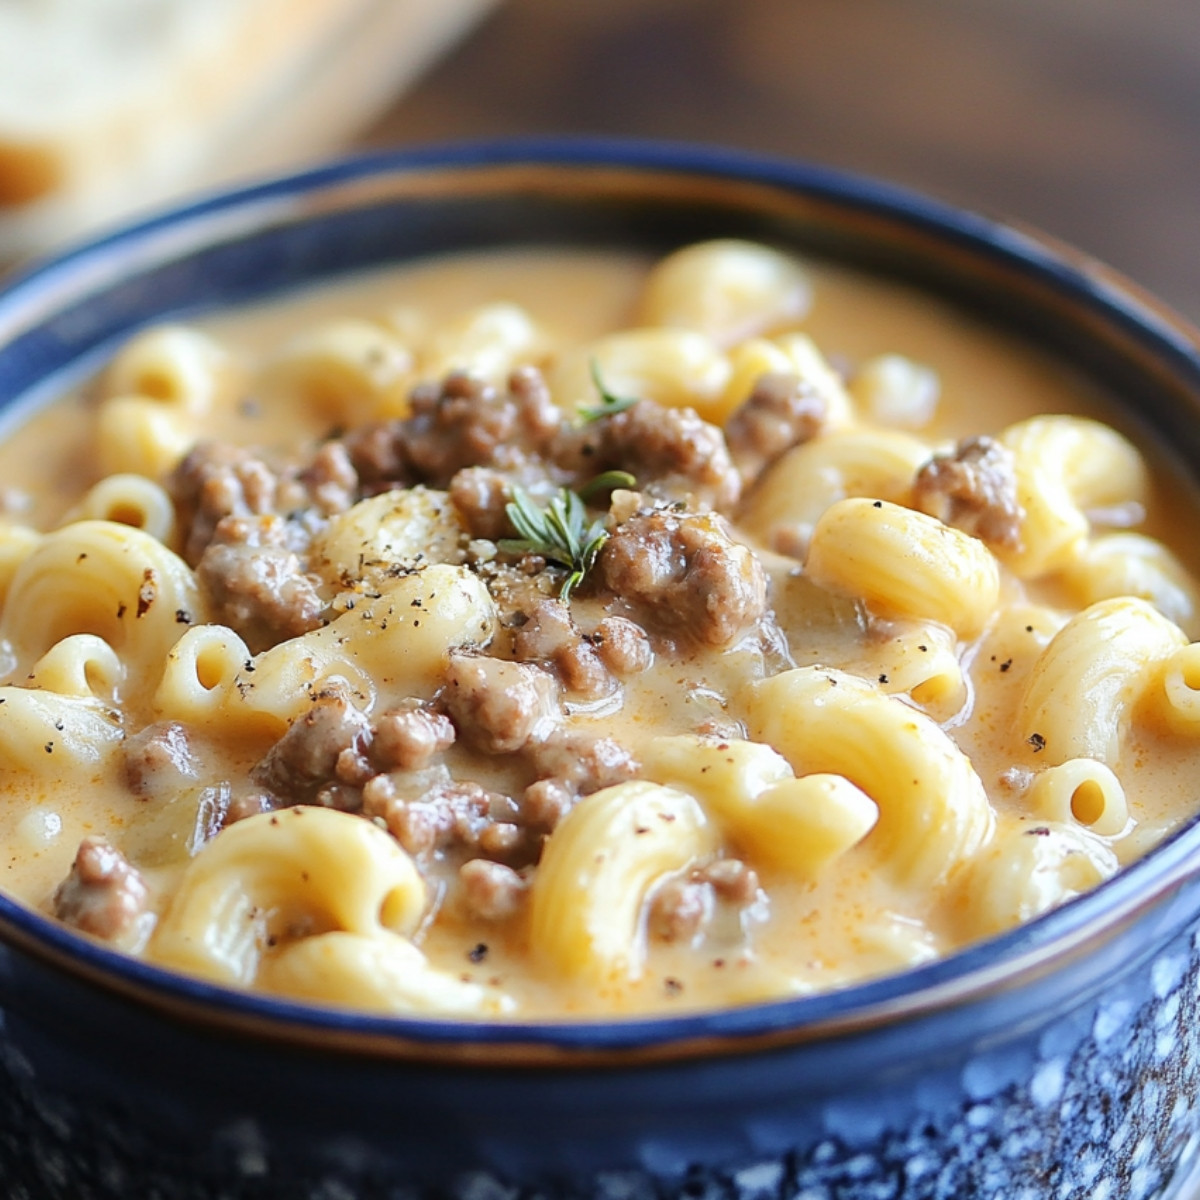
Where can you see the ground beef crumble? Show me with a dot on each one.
(781, 412)
(327, 743)
(450, 814)
(500, 707)
(582, 762)
(458, 423)
(671, 452)
(409, 736)
(670, 572)
(103, 895)
(975, 489)
(158, 761)
(684, 906)
(256, 584)
(684, 573)
(480, 496)
(217, 480)
(490, 891)
(551, 637)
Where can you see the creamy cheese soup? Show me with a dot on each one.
(554, 635)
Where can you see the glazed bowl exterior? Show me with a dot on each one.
(1057, 1061)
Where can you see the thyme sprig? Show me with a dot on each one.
(560, 532)
(606, 482)
(609, 403)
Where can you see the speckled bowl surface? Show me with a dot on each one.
(1058, 1061)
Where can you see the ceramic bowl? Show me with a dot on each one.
(1056, 1061)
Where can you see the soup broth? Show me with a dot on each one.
(547, 634)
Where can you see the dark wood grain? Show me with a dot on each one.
(1081, 117)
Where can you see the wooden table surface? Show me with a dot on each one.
(1081, 117)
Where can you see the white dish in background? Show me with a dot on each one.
(110, 106)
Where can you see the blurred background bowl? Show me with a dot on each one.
(1055, 1061)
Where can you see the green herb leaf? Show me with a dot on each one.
(606, 481)
(609, 403)
(560, 532)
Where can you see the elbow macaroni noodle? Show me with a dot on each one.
(1030, 869)
(345, 371)
(1065, 467)
(919, 738)
(593, 878)
(902, 563)
(1083, 688)
(391, 644)
(875, 463)
(729, 290)
(801, 825)
(104, 578)
(933, 811)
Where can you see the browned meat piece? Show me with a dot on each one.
(686, 575)
(551, 638)
(516, 591)
(376, 454)
(580, 763)
(501, 840)
(246, 802)
(480, 496)
(623, 646)
(781, 412)
(732, 880)
(260, 592)
(217, 480)
(377, 793)
(104, 895)
(345, 797)
(464, 422)
(974, 489)
(456, 424)
(328, 744)
(490, 891)
(539, 418)
(680, 909)
(330, 479)
(684, 906)
(159, 761)
(408, 737)
(500, 707)
(256, 585)
(450, 814)
(545, 803)
(671, 452)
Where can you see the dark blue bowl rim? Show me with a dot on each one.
(958, 979)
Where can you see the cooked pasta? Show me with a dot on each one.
(807, 479)
(1083, 688)
(677, 368)
(934, 812)
(892, 390)
(176, 366)
(563, 635)
(1029, 869)
(311, 869)
(799, 824)
(902, 563)
(728, 289)
(1068, 467)
(128, 500)
(586, 904)
(345, 371)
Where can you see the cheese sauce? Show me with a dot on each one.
(454, 780)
